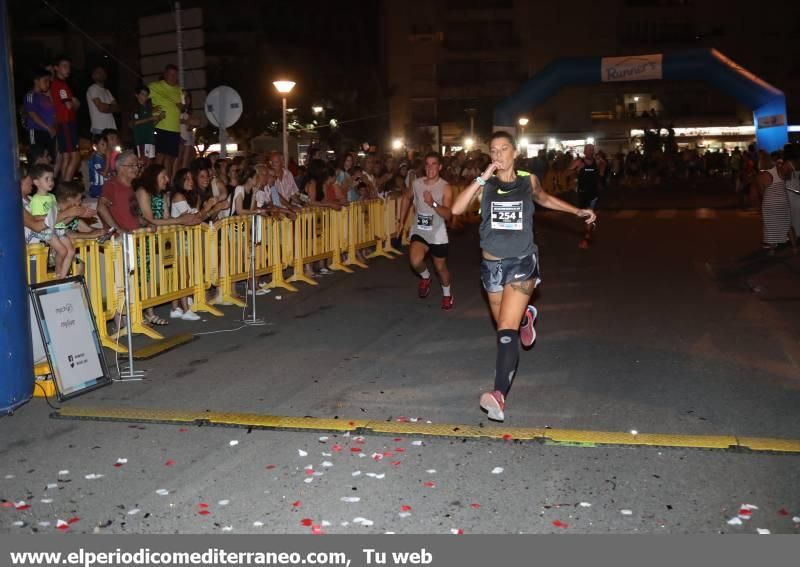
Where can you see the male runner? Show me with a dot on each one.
(591, 171)
(432, 197)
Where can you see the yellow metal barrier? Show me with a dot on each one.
(316, 238)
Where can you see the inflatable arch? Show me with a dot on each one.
(709, 65)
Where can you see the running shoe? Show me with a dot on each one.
(447, 302)
(424, 287)
(527, 333)
(494, 403)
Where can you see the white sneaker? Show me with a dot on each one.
(176, 313)
(263, 291)
(190, 316)
(324, 271)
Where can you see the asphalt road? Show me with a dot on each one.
(635, 333)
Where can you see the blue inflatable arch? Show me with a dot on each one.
(709, 65)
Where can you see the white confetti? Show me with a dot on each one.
(404, 514)
(233, 442)
(431, 471)
(634, 432)
(162, 492)
(735, 521)
(626, 512)
(325, 524)
(19, 524)
(20, 504)
(350, 499)
(763, 531)
(227, 529)
(133, 511)
(497, 470)
(327, 464)
(10, 476)
(51, 485)
(388, 533)
(224, 502)
(585, 505)
(749, 507)
(308, 480)
(796, 519)
(61, 524)
(278, 297)
(379, 476)
(356, 473)
(324, 454)
(376, 456)
(309, 467)
(414, 419)
(344, 524)
(93, 476)
(122, 461)
(363, 521)
(417, 443)
(302, 453)
(317, 473)
(454, 531)
(258, 524)
(323, 439)
(44, 524)
(63, 473)
(46, 500)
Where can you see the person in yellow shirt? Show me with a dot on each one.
(166, 95)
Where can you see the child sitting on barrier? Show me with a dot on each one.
(44, 203)
(98, 167)
(69, 196)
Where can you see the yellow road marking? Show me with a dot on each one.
(363, 426)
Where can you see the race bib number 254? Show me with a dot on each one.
(507, 216)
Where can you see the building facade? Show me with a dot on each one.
(449, 62)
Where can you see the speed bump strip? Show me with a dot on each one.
(362, 426)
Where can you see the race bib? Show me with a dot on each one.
(424, 222)
(507, 216)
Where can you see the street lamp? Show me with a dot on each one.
(522, 123)
(468, 143)
(284, 87)
(317, 109)
(397, 144)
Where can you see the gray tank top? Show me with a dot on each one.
(427, 224)
(507, 218)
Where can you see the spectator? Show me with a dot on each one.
(66, 106)
(102, 103)
(39, 155)
(69, 196)
(219, 183)
(98, 166)
(143, 123)
(40, 113)
(167, 95)
(791, 173)
(243, 202)
(117, 206)
(209, 204)
(185, 201)
(43, 203)
(775, 209)
(284, 181)
(112, 147)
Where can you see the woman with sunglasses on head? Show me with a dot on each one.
(510, 264)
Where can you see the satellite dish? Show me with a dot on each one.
(223, 107)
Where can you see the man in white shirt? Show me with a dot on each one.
(284, 182)
(102, 104)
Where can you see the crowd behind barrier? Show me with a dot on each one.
(175, 262)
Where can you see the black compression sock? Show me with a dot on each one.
(507, 358)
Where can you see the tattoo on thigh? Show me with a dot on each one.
(525, 287)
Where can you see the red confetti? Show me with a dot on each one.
(117, 465)
(63, 527)
(309, 472)
(23, 507)
(270, 467)
(475, 505)
(398, 439)
(459, 531)
(745, 512)
(296, 504)
(351, 423)
(183, 430)
(507, 437)
(405, 508)
(402, 419)
(355, 449)
(7, 504)
(395, 463)
(317, 530)
(202, 505)
(388, 454)
(308, 522)
(204, 512)
(430, 484)
(783, 512)
(359, 441)
(336, 448)
(560, 524)
(169, 463)
(399, 450)
(73, 520)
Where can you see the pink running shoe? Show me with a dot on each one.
(527, 333)
(494, 403)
